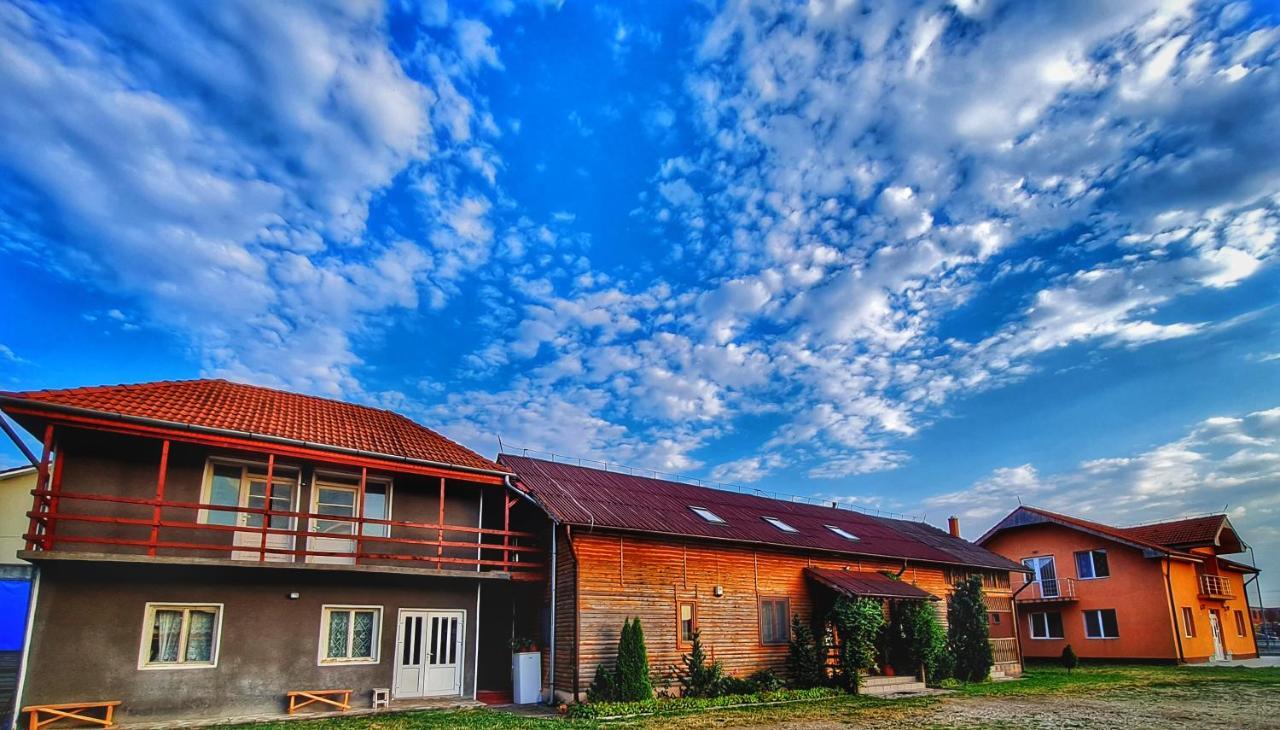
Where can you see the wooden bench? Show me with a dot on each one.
(42, 715)
(339, 698)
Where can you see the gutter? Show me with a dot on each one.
(264, 438)
(555, 568)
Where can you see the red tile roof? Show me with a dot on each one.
(1017, 519)
(1194, 531)
(252, 410)
(869, 585)
(596, 498)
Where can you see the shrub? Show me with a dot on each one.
(599, 710)
(807, 659)
(633, 681)
(1069, 658)
(765, 680)
(603, 687)
(967, 635)
(859, 622)
(916, 638)
(730, 685)
(698, 677)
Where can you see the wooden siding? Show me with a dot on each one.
(620, 576)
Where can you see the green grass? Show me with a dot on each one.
(1038, 680)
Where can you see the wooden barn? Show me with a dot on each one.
(734, 566)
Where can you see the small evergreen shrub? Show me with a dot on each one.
(699, 677)
(603, 687)
(968, 636)
(765, 680)
(807, 658)
(632, 682)
(730, 685)
(1069, 658)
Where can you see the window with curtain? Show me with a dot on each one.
(350, 634)
(775, 620)
(688, 621)
(181, 635)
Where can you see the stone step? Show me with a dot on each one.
(881, 690)
(879, 681)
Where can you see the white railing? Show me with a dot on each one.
(1215, 585)
(1049, 589)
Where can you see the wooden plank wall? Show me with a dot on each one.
(621, 576)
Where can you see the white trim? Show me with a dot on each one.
(247, 471)
(323, 640)
(463, 627)
(148, 618)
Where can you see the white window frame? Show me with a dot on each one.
(323, 644)
(707, 515)
(842, 532)
(778, 523)
(1188, 622)
(248, 470)
(1084, 618)
(324, 475)
(1031, 626)
(1093, 567)
(148, 623)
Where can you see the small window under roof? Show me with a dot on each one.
(707, 515)
(779, 524)
(842, 532)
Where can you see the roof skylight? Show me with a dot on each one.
(842, 532)
(707, 515)
(779, 524)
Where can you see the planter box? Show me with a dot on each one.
(526, 677)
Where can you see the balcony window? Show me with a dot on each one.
(1092, 564)
(180, 636)
(1046, 625)
(1100, 623)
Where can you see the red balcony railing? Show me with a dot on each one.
(166, 527)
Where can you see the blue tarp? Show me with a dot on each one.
(14, 595)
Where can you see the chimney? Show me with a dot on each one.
(953, 526)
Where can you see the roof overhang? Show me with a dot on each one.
(1025, 517)
(868, 585)
(228, 438)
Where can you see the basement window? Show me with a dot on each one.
(779, 524)
(842, 532)
(707, 515)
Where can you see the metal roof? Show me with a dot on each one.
(867, 585)
(595, 498)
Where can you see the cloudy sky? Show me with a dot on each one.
(922, 258)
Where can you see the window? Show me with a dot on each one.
(780, 524)
(1092, 564)
(842, 532)
(336, 493)
(245, 486)
(349, 634)
(688, 621)
(1188, 622)
(995, 618)
(1240, 630)
(775, 620)
(707, 515)
(180, 636)
(1100, 623)
(1046, 625)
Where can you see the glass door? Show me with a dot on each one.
(1044, 574)
(336, 501)
(254, 495)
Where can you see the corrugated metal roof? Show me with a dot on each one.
(867, 585)
(589, 497)
(253, 409)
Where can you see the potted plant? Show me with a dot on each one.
(526, 671)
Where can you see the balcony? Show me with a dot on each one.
(1049, 590)
(158, 528)
(1215, 586)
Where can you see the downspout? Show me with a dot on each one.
(555, 568)
(577, 613)
(26, 649)
(1173, 609)
(1253, 561)
(475, 664)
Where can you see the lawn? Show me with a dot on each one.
(1092, 696)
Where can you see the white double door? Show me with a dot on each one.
(429, 653)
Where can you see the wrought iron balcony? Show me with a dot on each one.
(1048, 590)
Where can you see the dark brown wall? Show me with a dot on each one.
(89, 623)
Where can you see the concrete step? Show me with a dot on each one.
(879, 681)
(884, 686)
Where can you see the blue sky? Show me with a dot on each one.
(928, 258)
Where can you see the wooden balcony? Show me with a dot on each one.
(1051, 590)
(65, 521)
(1004, 651)
(1215, 586)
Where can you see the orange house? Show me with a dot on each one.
(1154, 592)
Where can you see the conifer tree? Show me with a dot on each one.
(967, 634)
(633, 683)
(807, 660)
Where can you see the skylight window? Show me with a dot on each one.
(707, 515)
(842, 532)
(780, 524)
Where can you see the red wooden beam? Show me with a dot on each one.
(440, 538)
(249, 445)
(266, 506)
(41, 498)
(55, 488)
(359, 526)
(155, 513)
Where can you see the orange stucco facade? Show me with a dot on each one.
(1148, 595)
